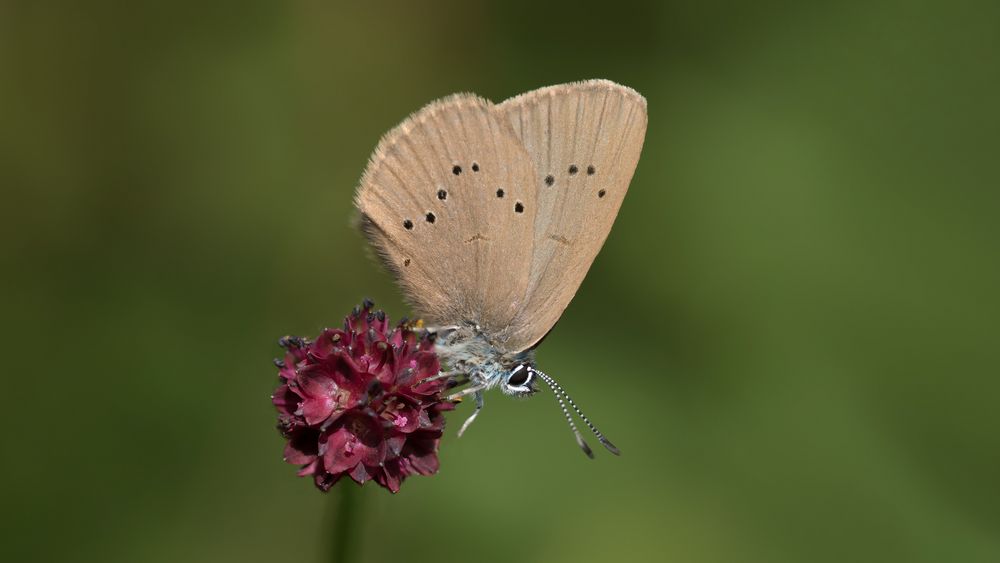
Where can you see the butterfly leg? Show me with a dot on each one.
(465, 392)
(442, 375)
(475, 413)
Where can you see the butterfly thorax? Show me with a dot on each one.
(466, 350)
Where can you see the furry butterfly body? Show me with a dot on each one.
(490, 216)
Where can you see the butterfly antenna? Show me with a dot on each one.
(561, 394)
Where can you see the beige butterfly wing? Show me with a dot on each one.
(584, 139)
(448, 202)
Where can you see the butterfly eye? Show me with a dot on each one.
(518, 379)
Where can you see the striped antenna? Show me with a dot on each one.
(563, 397)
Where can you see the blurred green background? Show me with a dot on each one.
(791, 332)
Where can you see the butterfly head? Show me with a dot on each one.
(467, 350)
(519, 382)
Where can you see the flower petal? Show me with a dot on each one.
(394, 445)
(357, 439)
(285, 400)
(302, 446)
(326, 480)
(360, 474)
(310, 469)
(321, 395)
(327, 341)
(402, 413)
(421, 451)
(390, 476)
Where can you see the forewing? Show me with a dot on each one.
(584, 140)
(432, 206)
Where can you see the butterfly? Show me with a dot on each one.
(490, 215)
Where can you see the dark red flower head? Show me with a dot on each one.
(356, 401)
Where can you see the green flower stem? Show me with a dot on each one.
(346, 511)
